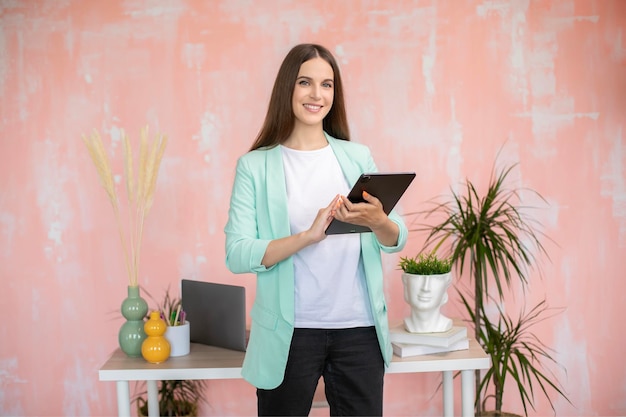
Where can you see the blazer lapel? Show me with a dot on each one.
(350, 170)
(276, 193)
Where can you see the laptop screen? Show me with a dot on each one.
(216, 313)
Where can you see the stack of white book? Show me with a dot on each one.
(405, 343)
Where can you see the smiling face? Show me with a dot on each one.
(313, 93)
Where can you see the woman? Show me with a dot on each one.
(319, 308)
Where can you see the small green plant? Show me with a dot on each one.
(423, 264)
(169, 307)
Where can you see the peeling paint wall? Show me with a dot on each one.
(438, 87)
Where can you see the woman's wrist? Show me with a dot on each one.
(387, 232)
(306, 238)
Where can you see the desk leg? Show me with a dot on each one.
(448, 394)
(468, 392)
(153, 399)
(123, 399)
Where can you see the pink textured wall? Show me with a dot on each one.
(432, 86)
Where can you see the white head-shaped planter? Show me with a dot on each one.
(426, 294)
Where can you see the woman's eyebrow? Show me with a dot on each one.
(306, 77)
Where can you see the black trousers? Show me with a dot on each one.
(350, 362)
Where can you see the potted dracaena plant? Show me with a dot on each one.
(492, 240)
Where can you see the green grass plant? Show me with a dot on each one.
(425, 264)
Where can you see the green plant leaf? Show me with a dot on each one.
(516, 353)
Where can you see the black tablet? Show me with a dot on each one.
(387, 187)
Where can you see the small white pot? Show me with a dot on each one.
(178, 336)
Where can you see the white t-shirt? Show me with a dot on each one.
(329, 277)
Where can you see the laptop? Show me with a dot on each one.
(216, 312)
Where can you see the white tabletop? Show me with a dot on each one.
(210, 362)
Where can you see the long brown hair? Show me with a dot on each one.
(280, 120)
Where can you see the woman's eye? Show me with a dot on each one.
(303, 82)
(327, 85)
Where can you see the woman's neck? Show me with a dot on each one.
(307, 138)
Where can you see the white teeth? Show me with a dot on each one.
(312, 107)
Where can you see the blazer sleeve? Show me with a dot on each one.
(244, 248)
(402, 235)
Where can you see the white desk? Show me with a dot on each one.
(209, 362)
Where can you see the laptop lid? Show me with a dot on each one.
(216, 313)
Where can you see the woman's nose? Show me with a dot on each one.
(315, 93)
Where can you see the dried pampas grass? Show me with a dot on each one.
(140, 189)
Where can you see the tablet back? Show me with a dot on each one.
(216, 313)
(387, 187)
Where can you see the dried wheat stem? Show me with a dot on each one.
(139, 238)
(148, 173)
(150, 166)
(131, 194)
(127, 261)
(140, 193)
(161, 143)
(143, 158)
(101, 161)
(128, 168)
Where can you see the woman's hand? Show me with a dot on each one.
(317, 231)
(370, 214)
(279, 249)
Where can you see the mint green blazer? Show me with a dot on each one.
(257, 215)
